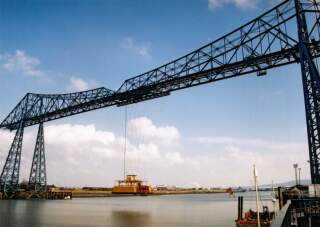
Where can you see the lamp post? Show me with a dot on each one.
(295, 166)
(299, 169)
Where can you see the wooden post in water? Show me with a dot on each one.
(240, 207)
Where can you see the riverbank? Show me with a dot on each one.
(87, 193)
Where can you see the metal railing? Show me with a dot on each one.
(298, 213)
(283, 218)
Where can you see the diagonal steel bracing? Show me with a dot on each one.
(286, 34)
(311, 88)
(9, 179)
(38, 176)
(263, 43)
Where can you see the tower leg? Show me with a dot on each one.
(38, 177)
(9, 179)
(311, 88)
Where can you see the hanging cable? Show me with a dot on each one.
(125, 142)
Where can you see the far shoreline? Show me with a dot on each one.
(97, 194)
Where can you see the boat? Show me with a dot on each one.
(67, 197)
(252, 218)
(131, 185)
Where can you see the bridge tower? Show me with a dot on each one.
(311, 88)
(9, 179)
(38, 177)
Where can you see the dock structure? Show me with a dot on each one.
(299, 213)
(28, 195)
(299, 207)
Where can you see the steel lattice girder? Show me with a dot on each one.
(34, 107)
(271, 40)
(265, 42)
(311, 88)
(9, 179)
(38, 176)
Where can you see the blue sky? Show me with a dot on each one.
(61, 46)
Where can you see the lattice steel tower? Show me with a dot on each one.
(311, 88)
(9, 179)
(38, 176)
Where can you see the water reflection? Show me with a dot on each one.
(205, 210)
(126, 218)
(8, 211)
(22, 213)
(32, 213)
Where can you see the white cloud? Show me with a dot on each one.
(250, 144)
(83, 155)
(142, 49)
(20, 62)
(79, 155)
(79, 84)
(143, 128)
(237, 155)
(143, 152)
(174, 157)
(239, 3)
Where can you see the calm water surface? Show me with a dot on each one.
(151, 211)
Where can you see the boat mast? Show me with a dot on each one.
(255, 174)
(274, 200)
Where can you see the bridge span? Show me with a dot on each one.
(287, 34)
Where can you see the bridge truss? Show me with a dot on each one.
(288, 33)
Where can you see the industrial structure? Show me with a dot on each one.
(287, 34)
(131, 185)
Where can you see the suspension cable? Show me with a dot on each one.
(125, 141)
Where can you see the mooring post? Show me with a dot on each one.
(240, 207)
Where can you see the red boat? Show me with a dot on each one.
(250, 218)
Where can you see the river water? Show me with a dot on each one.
(194, 210)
